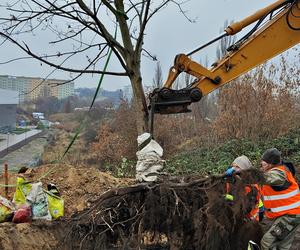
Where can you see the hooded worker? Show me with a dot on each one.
(281, 197)
(239, 164)
(242, 163)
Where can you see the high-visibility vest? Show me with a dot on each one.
(254, 213)
(280, 201)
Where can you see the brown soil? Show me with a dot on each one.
(103, 212)
(79, 186)
(35, 236)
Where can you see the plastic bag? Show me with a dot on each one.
(38, 201)
(23, 214)
(6, 209)
(56, 205)
(22, 190)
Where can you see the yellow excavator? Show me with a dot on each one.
(276, 29)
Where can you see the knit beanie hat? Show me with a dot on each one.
(243, 162)
(272, 156)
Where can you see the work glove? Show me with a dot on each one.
(229, 172)
(229, 197)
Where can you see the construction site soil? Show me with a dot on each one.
(103, 212)
(79, 187)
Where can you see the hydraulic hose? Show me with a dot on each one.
(258, 24)
(290, 13)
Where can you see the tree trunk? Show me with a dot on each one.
(140, 104)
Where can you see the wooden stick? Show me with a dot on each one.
(6, 179)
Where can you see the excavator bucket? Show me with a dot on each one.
(170, 101)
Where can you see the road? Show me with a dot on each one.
(9, 140)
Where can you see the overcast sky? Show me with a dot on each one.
(168, 34)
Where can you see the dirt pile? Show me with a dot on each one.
(36, 236)
(79, 186)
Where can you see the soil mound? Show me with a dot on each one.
(35, 236)
(79, 186)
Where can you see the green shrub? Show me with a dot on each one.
(216, 159)
(125, 169)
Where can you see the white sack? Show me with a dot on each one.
(149, 159)
(38, 201)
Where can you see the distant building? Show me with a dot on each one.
(127, 92)
(112, 97)
(8, 109)
(63, 90)
(31, 88)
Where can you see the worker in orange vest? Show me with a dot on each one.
(281, 198)
(242, 163)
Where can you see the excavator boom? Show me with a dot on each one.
(277, 29)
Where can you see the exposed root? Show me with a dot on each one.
(176, 214)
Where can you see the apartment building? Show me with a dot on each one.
(127, 92)
(31, 88)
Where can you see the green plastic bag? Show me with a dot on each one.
(55, 205)
(22, 190)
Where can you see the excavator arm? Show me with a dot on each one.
(277, 29)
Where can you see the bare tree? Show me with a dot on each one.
(226, 42)
(157, 79)
(207, 107)
(87, 29)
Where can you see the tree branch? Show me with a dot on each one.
(26, 49)
(106, 35)
(143, 26)
(123, 27)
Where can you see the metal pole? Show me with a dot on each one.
(6, 179)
